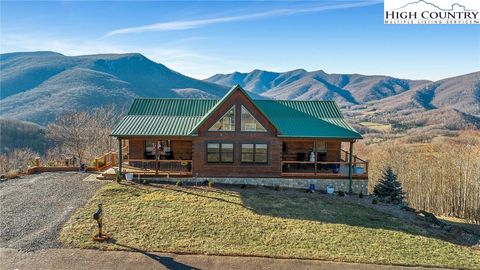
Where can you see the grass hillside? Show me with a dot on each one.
(259, 222)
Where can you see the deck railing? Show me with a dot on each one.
(322, 168)
(108, 160)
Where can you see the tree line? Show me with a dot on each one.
(442, 176)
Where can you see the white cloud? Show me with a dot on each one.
(190, 24)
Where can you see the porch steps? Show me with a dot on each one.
(107, 175)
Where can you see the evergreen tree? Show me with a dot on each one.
(389, 187)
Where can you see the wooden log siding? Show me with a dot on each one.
(136, 149)
(236, 169)
(189, 141)
(196, 151)
(181, 149)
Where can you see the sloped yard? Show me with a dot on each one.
(259, 222)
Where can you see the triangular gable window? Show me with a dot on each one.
(226, 123)
(249, 123)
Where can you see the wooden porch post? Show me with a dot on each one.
(315, 152)
(120, 158)
(156, 158)
(350, 168)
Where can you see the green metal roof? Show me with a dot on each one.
(307, 119)
(182, 117)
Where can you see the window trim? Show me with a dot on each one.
(250, 113)
(223, 115)
(254, 153)
(219, 152)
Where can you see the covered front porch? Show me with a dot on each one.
(300, 158)
(322, 159)
(157, 157)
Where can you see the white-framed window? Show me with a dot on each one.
(249, 123)
(226, 123)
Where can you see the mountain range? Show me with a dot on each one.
(40, 86)
(461, 93)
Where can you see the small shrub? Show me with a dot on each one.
(210, 183)
(119, 178)
(276, 188)
(12, 174)
(360, 195)
(389, 188)
(374, 201)
(145, 181)
(341, 193)
(179, 183)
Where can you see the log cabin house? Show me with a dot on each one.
(237, 136)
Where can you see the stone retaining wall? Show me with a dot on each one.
(359, 185)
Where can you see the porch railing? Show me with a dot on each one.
(333, 168)
(159, 167)
(107, 160)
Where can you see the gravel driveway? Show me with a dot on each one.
(34, 208)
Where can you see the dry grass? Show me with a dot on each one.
(259, 222)
(12, 174)
(377, 126)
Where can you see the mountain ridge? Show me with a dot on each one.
(41, 86)
(29, 81)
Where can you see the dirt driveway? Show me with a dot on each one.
(34, 208)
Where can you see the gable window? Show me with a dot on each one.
(220, 152)
(254, 153)
(226, 123)
(249, 123)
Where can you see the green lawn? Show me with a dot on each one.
(260, 222)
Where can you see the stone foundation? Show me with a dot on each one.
(359, 185)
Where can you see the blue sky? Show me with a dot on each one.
(200, 39)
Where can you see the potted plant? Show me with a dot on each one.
(330, 189)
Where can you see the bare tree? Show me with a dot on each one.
(18, 160)
(441, 177)
(84, 135)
